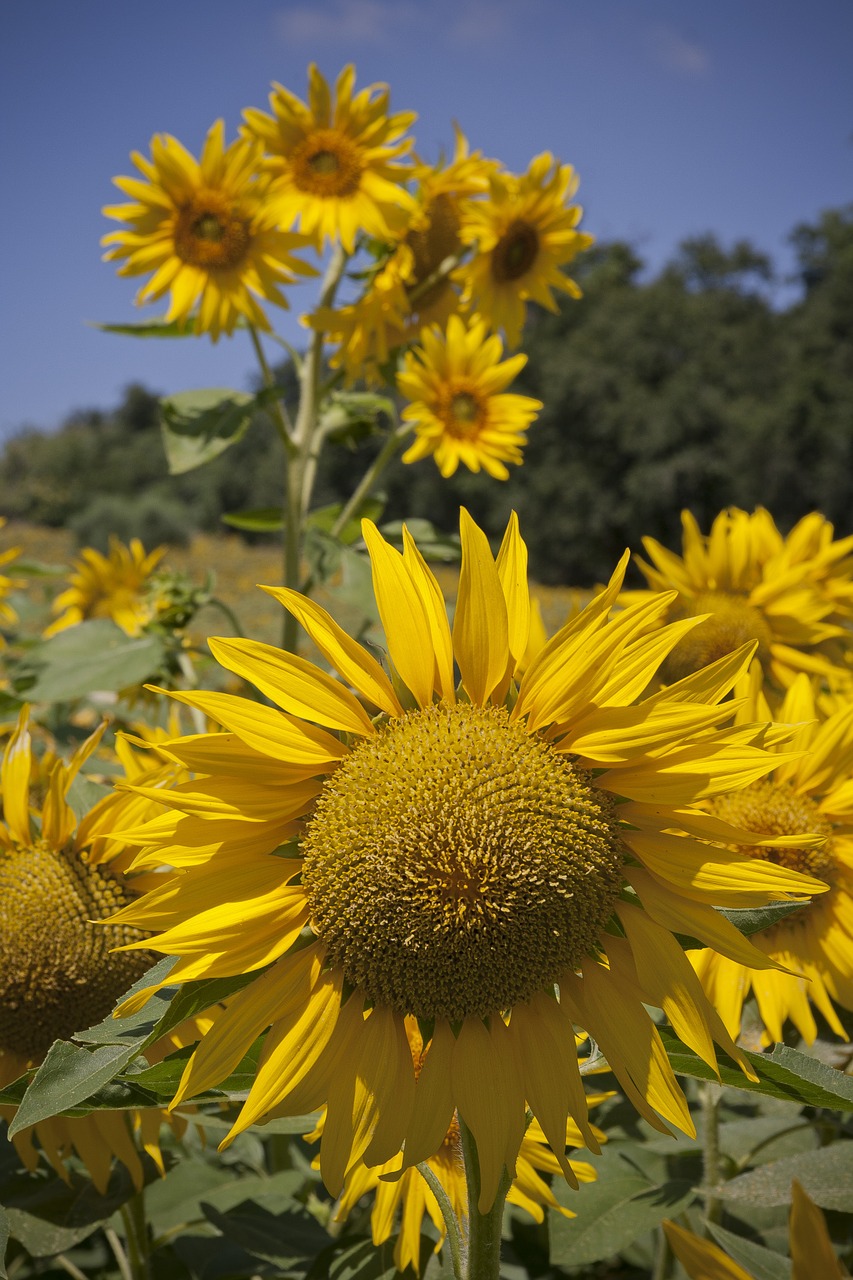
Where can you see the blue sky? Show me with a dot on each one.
(680, 116)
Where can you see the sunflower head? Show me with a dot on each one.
(522, 235)
(455, 382)
(7, 584)
(207, 231)
(118, 586)
(335, 159)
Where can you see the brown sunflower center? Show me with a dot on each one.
(775, 809)
(327, 164)
(515, 252)
(456, 864)
(57, 973)
(211, 232)
(733, 622)
(463, 410)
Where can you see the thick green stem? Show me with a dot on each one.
(455, 1240)
(136, 1236)
(371, 475)
(484, 1229)
(712, 1174)
(279, 412)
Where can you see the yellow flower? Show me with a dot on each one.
(333, 158)
(116, 586)
(409, 1192)
(58, 971)
(401, 297)
(455, 382)
(499, 860)
(7, 585)
(745, 578)
(812, 1254)
(208, 232)
(802, 816)
(523, 234)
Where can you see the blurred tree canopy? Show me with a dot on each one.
(688, 390)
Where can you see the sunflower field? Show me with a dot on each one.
(438, 925)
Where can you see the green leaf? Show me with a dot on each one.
(4, 1240)
(37, 569)
(347, 417)
(432, 543)
(162, 1080)
(785, 1073)
(762, 1263)
(69, 1075)
(261, 520)
(151, 328)
(286, 1238)
(199, 425)
(611, 1212)
(84, 794)
(826, 1175)
(323, 518)
(754, 919)
(94, 655)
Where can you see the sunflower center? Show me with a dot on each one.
(775, 809)
(210, 232)
(327, 164)
(456, 864)
(432, 240)
(515, 252)
(733, 622)
(57, 973)
(462, 411)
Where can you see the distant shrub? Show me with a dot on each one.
(150, 517)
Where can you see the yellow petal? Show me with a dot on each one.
(404, 618)
(480, 628)
(812, 1254)
(490, 1099)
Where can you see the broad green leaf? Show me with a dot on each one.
(84, 794)
(69, 1074)
(138, 1027)
(754, 919)
(350, 416)
(199, 425)
(762, 1263)
(826, 1175)
(432, 543)
(785, 1073)
(92, 656)
(611, 1212)
(4, 1240)
(194, 1183)
(151, 329)
(261, 520)
(360, 1261)
(36, 569)
(163, 1079)
(323, 518)
(9, 705)
(758, 1139)
(286, 1238)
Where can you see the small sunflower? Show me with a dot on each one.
(207, 230)
(522, 234)
(812, 1254)
(500, 860)
(409, 1192)
(58, 970)
(116, 586)
(461, 413)
(7, 585)
(401, 297)
(744, 576)
(802, 816)
(334, 159)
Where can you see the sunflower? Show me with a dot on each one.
(523, 234)
(802, 814)
(58, 971)
(116, 586)
(499, 860)
(7, 585)
(455, 382)
(334, 158)
(402, 296)
(812, 1254)
(208, 232)
(410, 1193)
(745, 579)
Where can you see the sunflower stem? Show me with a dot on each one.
(280, 416)
(136, 1236)
(371, 475)
(455, 1238)
(711, 1161)
(484, 1229)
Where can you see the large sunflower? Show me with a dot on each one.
(455, 382)
(58, 970)
(754, 586)
(116, 586)
(207, 230)
(522, 235)
(803, 815)
(499, 860)
(334, 158)
(409, 1192)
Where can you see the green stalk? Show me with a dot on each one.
(371, 475)
(712, 1174)
(484, 1229)
(455, 1239)
(136, 1236)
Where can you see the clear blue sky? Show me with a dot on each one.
(681, 116)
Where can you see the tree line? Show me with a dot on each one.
(690, 389)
